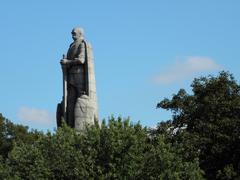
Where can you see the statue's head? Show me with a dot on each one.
(77, 33)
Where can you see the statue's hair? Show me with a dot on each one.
(79, 29)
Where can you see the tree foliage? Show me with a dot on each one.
(11, 134)
(202, 140)
(207, 123)
(117, 150)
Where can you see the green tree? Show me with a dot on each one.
(12, 133)
(121, 149)
(207, 124)
(165, 161)
(117, 150)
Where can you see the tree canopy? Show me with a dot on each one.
(201, 141)
(207, 123)
(117, 150)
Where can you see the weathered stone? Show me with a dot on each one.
(84, 112)
(79, 104)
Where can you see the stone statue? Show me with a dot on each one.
(79, 105)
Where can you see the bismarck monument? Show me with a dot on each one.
(79, 103)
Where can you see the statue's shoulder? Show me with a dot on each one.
(88, 44)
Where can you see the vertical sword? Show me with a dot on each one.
(64, 70)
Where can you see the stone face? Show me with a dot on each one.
(79, 104)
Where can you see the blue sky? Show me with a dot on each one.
(144, 51)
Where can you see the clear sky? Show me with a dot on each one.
(144, 51)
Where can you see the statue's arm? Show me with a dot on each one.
(80, 58)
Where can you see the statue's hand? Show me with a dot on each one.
(64, 61)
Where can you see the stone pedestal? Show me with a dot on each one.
(84, 113)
